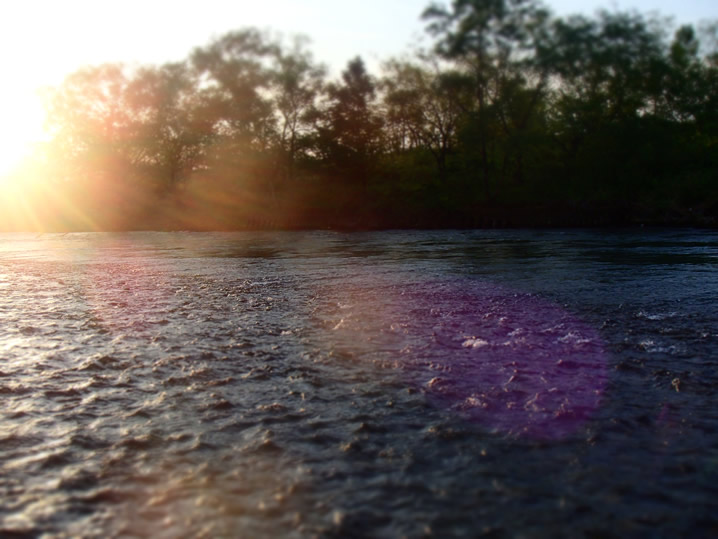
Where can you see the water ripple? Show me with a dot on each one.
(388, 384)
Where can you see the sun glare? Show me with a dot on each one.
(22, 128)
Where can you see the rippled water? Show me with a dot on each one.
(507, 383)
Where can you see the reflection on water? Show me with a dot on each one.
(375, 384)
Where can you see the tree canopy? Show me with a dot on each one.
(514, 116)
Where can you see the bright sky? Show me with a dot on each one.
(43, 40)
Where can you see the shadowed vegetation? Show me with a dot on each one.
(515, 117)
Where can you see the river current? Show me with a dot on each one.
(383, 384)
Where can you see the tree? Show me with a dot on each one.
(173, 128)
(424, 106)
(234, 73)
(97, 153)
(235, 76)
(609, 64)
(91, 122)
(610, 101)
(296, 85)
(497, 42)
(351, 129)
(689, 89)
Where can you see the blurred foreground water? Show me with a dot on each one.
(384, 384)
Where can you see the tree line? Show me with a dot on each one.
(514, 117)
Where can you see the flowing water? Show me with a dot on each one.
(384, 384)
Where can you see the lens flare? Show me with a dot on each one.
(510, 361)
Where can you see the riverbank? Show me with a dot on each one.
(316, 207)
(479, 217)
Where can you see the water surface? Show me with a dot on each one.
(384, 384)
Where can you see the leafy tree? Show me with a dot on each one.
(91, 122)
(691, 83)
(497, 41)
(234, 73)
(424, 107)
(235, 76)
(97, 153)
(350, 133)
(613, 111)
(608, 65)
(297, 84)
(173, 128)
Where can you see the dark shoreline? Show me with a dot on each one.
(175, 217)
(481, 217)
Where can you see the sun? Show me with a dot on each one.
(21, 129)
(21, 132)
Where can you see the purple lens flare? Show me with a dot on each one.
(513, 362)
(510, 361)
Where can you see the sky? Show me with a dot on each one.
(41, 41)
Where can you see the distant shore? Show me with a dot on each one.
(560, 215)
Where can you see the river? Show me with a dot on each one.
(379, 384)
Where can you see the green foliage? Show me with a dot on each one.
(350, 133)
